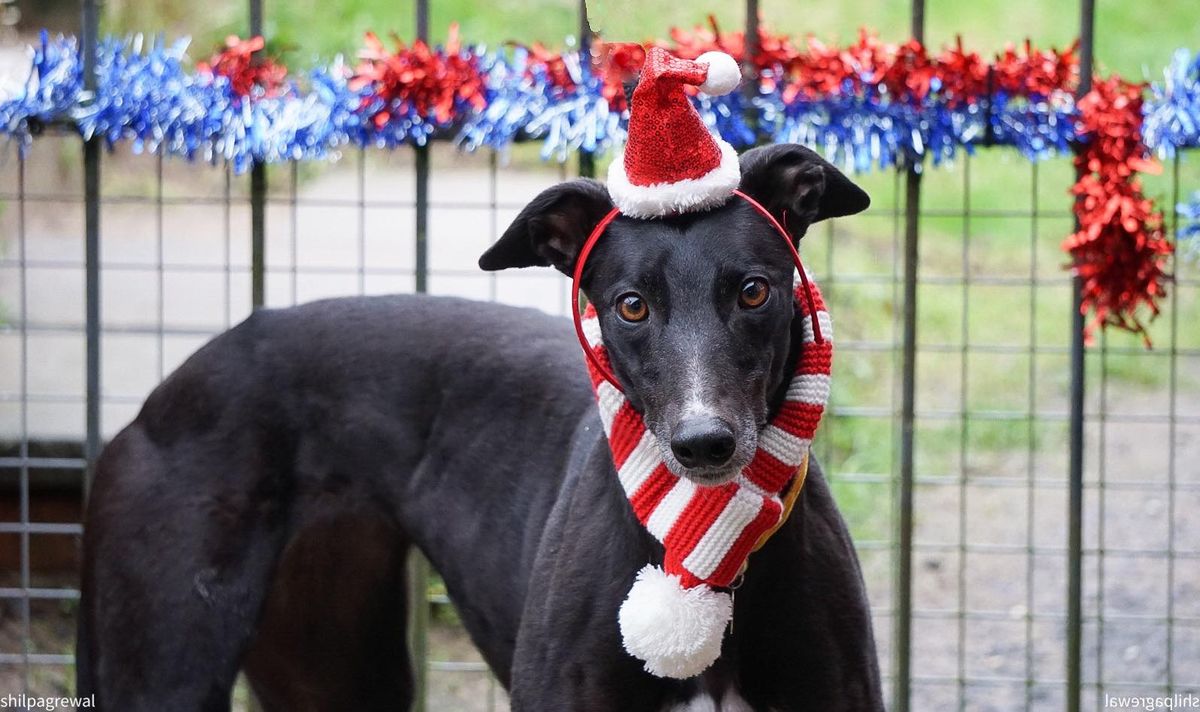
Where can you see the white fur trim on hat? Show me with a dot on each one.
(685, 196)
(724, 74)
(675, 631)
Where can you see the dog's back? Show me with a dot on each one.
(275, 481)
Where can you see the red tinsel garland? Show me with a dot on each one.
(1036, 72)
(1120, 249)
(904, 71)
(556, 67)
(419, 78)
(244, 70)
(617, 63)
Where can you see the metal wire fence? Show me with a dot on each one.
(978, 451)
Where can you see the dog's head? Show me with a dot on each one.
(696, 310)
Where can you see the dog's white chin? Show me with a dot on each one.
(705, 479)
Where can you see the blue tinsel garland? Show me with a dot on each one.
(1187, 237)
(148, 96)
(1173, 111)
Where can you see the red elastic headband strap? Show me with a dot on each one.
(601, 226)
(583, 255)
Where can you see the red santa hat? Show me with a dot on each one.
(672, 163)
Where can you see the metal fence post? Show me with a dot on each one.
(258, 196)
(750, 71)
(749, 67)
(258, 231)
(587, 161)
(418, 611)
(1087, 11)
(421, 266)
(422, 177)
(91, 217)
(902, 673)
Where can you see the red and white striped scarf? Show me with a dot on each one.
(709, 532)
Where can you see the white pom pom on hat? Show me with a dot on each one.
(675, 631)
(724, 74)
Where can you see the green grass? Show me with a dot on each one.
(1132, 37)
(989, 420)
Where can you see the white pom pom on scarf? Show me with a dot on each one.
(675, 631)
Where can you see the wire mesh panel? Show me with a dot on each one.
(991, 402)
(1142, 627)
(986, 602)
(989, 470)
(41, 420)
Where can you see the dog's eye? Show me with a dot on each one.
(754, 293)
(631, 307)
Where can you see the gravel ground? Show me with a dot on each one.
(1017, 601)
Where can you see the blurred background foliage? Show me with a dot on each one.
(1132, 36)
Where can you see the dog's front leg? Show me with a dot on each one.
(569, 655)
(803, 638)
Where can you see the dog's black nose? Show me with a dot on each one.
(703, 442)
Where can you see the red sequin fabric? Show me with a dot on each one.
(668, 140)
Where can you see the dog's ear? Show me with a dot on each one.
(552, 228)
(793, 181)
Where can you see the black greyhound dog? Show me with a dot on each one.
(257, 513)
